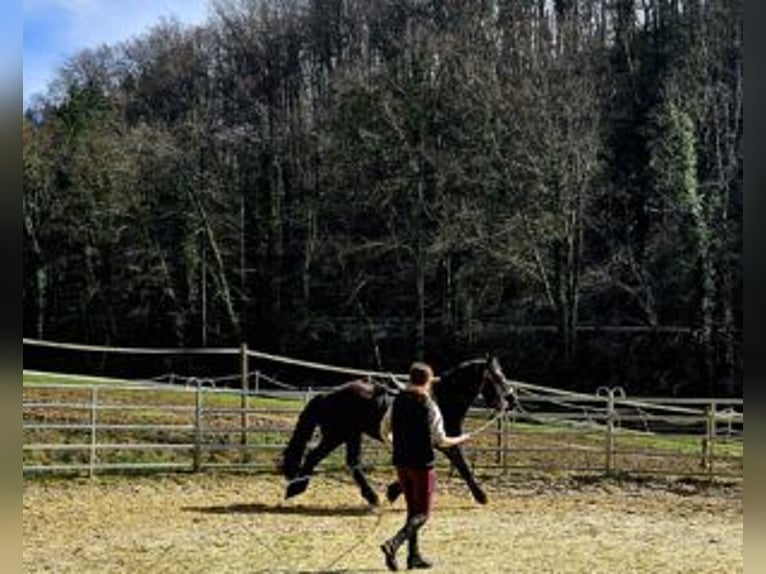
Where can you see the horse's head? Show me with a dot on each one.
(497, 391)
(460, 386)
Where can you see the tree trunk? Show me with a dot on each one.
(41, 277)
(222, 280)
(309, 247)
(420, 264)
(276, 239)
(41, 282)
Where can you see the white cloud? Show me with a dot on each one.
(33, 6)
(84, 24)
(110, 21)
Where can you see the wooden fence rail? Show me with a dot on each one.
(101, 428)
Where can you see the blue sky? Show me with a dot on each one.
(55, 30)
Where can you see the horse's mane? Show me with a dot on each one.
(468, 363)
(450, 383)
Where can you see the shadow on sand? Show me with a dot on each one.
(340, 571)
(304, 510)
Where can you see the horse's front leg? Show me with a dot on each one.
(393, 491)
(455, 455)
(301, 482)
(354, 463)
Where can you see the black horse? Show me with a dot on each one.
(357, 407)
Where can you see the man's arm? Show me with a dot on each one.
(438, 435)
(385, 427)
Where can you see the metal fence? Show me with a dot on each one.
(119, 427)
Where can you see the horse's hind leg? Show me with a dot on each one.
(299, 484)
(353, 461)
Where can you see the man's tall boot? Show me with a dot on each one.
(415, 560)
(390, 546)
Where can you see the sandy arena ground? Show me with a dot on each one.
(239, 523)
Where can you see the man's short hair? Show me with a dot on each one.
(420, 374)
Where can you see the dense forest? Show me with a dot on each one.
(370, 181)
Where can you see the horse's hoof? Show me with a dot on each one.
(296, 487)
(480, 497)
(372, 499)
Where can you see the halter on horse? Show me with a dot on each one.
(357, 407)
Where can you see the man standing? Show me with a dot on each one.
(416, 424)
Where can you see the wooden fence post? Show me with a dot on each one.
(244, 417)
(93, 424)
(504, 432)
(610, 416)
(710, 435)
(198, 427)
(499, 442)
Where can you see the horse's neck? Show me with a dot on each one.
(456, 395)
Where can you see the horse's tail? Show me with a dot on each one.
(293, 453)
